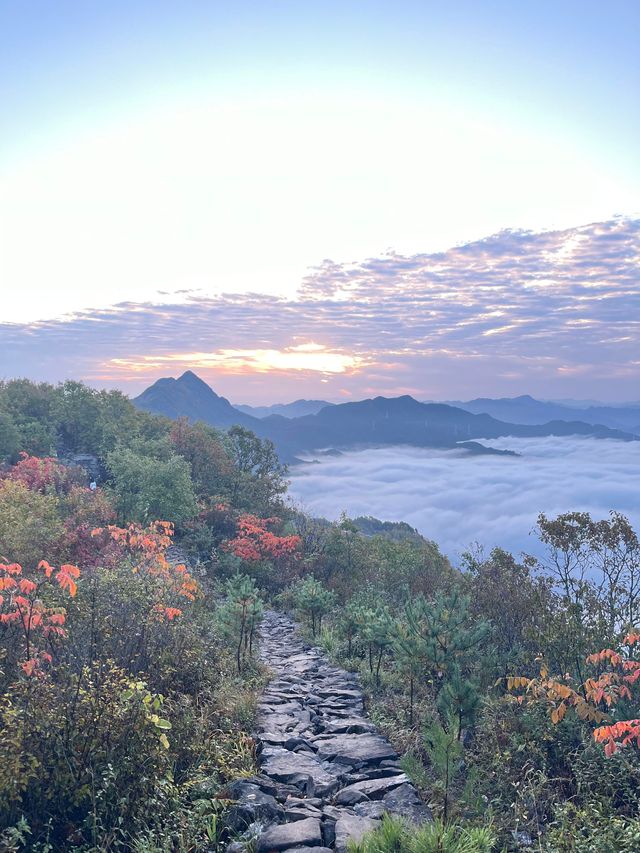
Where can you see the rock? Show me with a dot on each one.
(300, 813)
(348, 725)
(372, 789)
(302, 832)
(405, 802)
(314, 741)
(304, 801)
(236, 790)
(296, 768)
(253, 805)
(356, 750)
(306, 849)
(349, 796)
(370, 808)
(352, 828)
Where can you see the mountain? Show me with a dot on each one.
(287, 410)
(403, 420)
(527, 410)
(190, 397)
(375, 422)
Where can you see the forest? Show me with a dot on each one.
(137, 557)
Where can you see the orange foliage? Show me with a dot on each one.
(22, 609)
(254, 542)
(147, 548)
(613, 683)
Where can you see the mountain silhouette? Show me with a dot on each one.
(344, 426)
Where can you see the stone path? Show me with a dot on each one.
(326, 776)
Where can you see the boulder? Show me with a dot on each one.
(297, 768)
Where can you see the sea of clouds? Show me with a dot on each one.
(458, 499)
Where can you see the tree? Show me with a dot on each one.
(444, 630)
(240, 615)
(617, 675)
(596, 567)
(76, 411)
(147, 489)
(375, 630)
(314, 601)
(409, 653)
(10, 442)
(118, 417)
(29, 405)
(258, 479)
(518, 605)
(30, 524)
(203, 449)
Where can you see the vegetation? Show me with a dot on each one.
(128, 619)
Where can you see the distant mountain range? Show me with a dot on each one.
(287, 410)
(527, 410)
(514, 410)
(380, 421)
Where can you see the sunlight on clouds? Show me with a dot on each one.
(303, 357)
(500, 301)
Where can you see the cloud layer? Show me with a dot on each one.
(457, 499)
(552, 313)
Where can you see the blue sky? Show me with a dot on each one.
(163, 153)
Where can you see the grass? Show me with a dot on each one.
(396, 836)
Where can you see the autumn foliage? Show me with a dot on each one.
(593, 700)
(35, 627)
(254, 541)
(146, 547)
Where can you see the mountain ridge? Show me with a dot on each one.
(526, 409)
(372, 422)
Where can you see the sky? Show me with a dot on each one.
(328, 199)
(461, 500)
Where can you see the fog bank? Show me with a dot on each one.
(457, 499)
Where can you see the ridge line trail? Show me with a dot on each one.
(326, 774)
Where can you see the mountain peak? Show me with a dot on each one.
(191, 397)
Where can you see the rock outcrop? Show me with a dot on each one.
(326, 776)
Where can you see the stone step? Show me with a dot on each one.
(326, 775)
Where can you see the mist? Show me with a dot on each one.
(457, 499)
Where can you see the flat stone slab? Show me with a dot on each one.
(347, 725)
(371, 789)
(285, 766)
(405, 802)
(287, 835)
(355, 749)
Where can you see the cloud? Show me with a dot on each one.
(553, 313)
(457, 499)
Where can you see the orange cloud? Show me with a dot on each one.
(311, 357)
